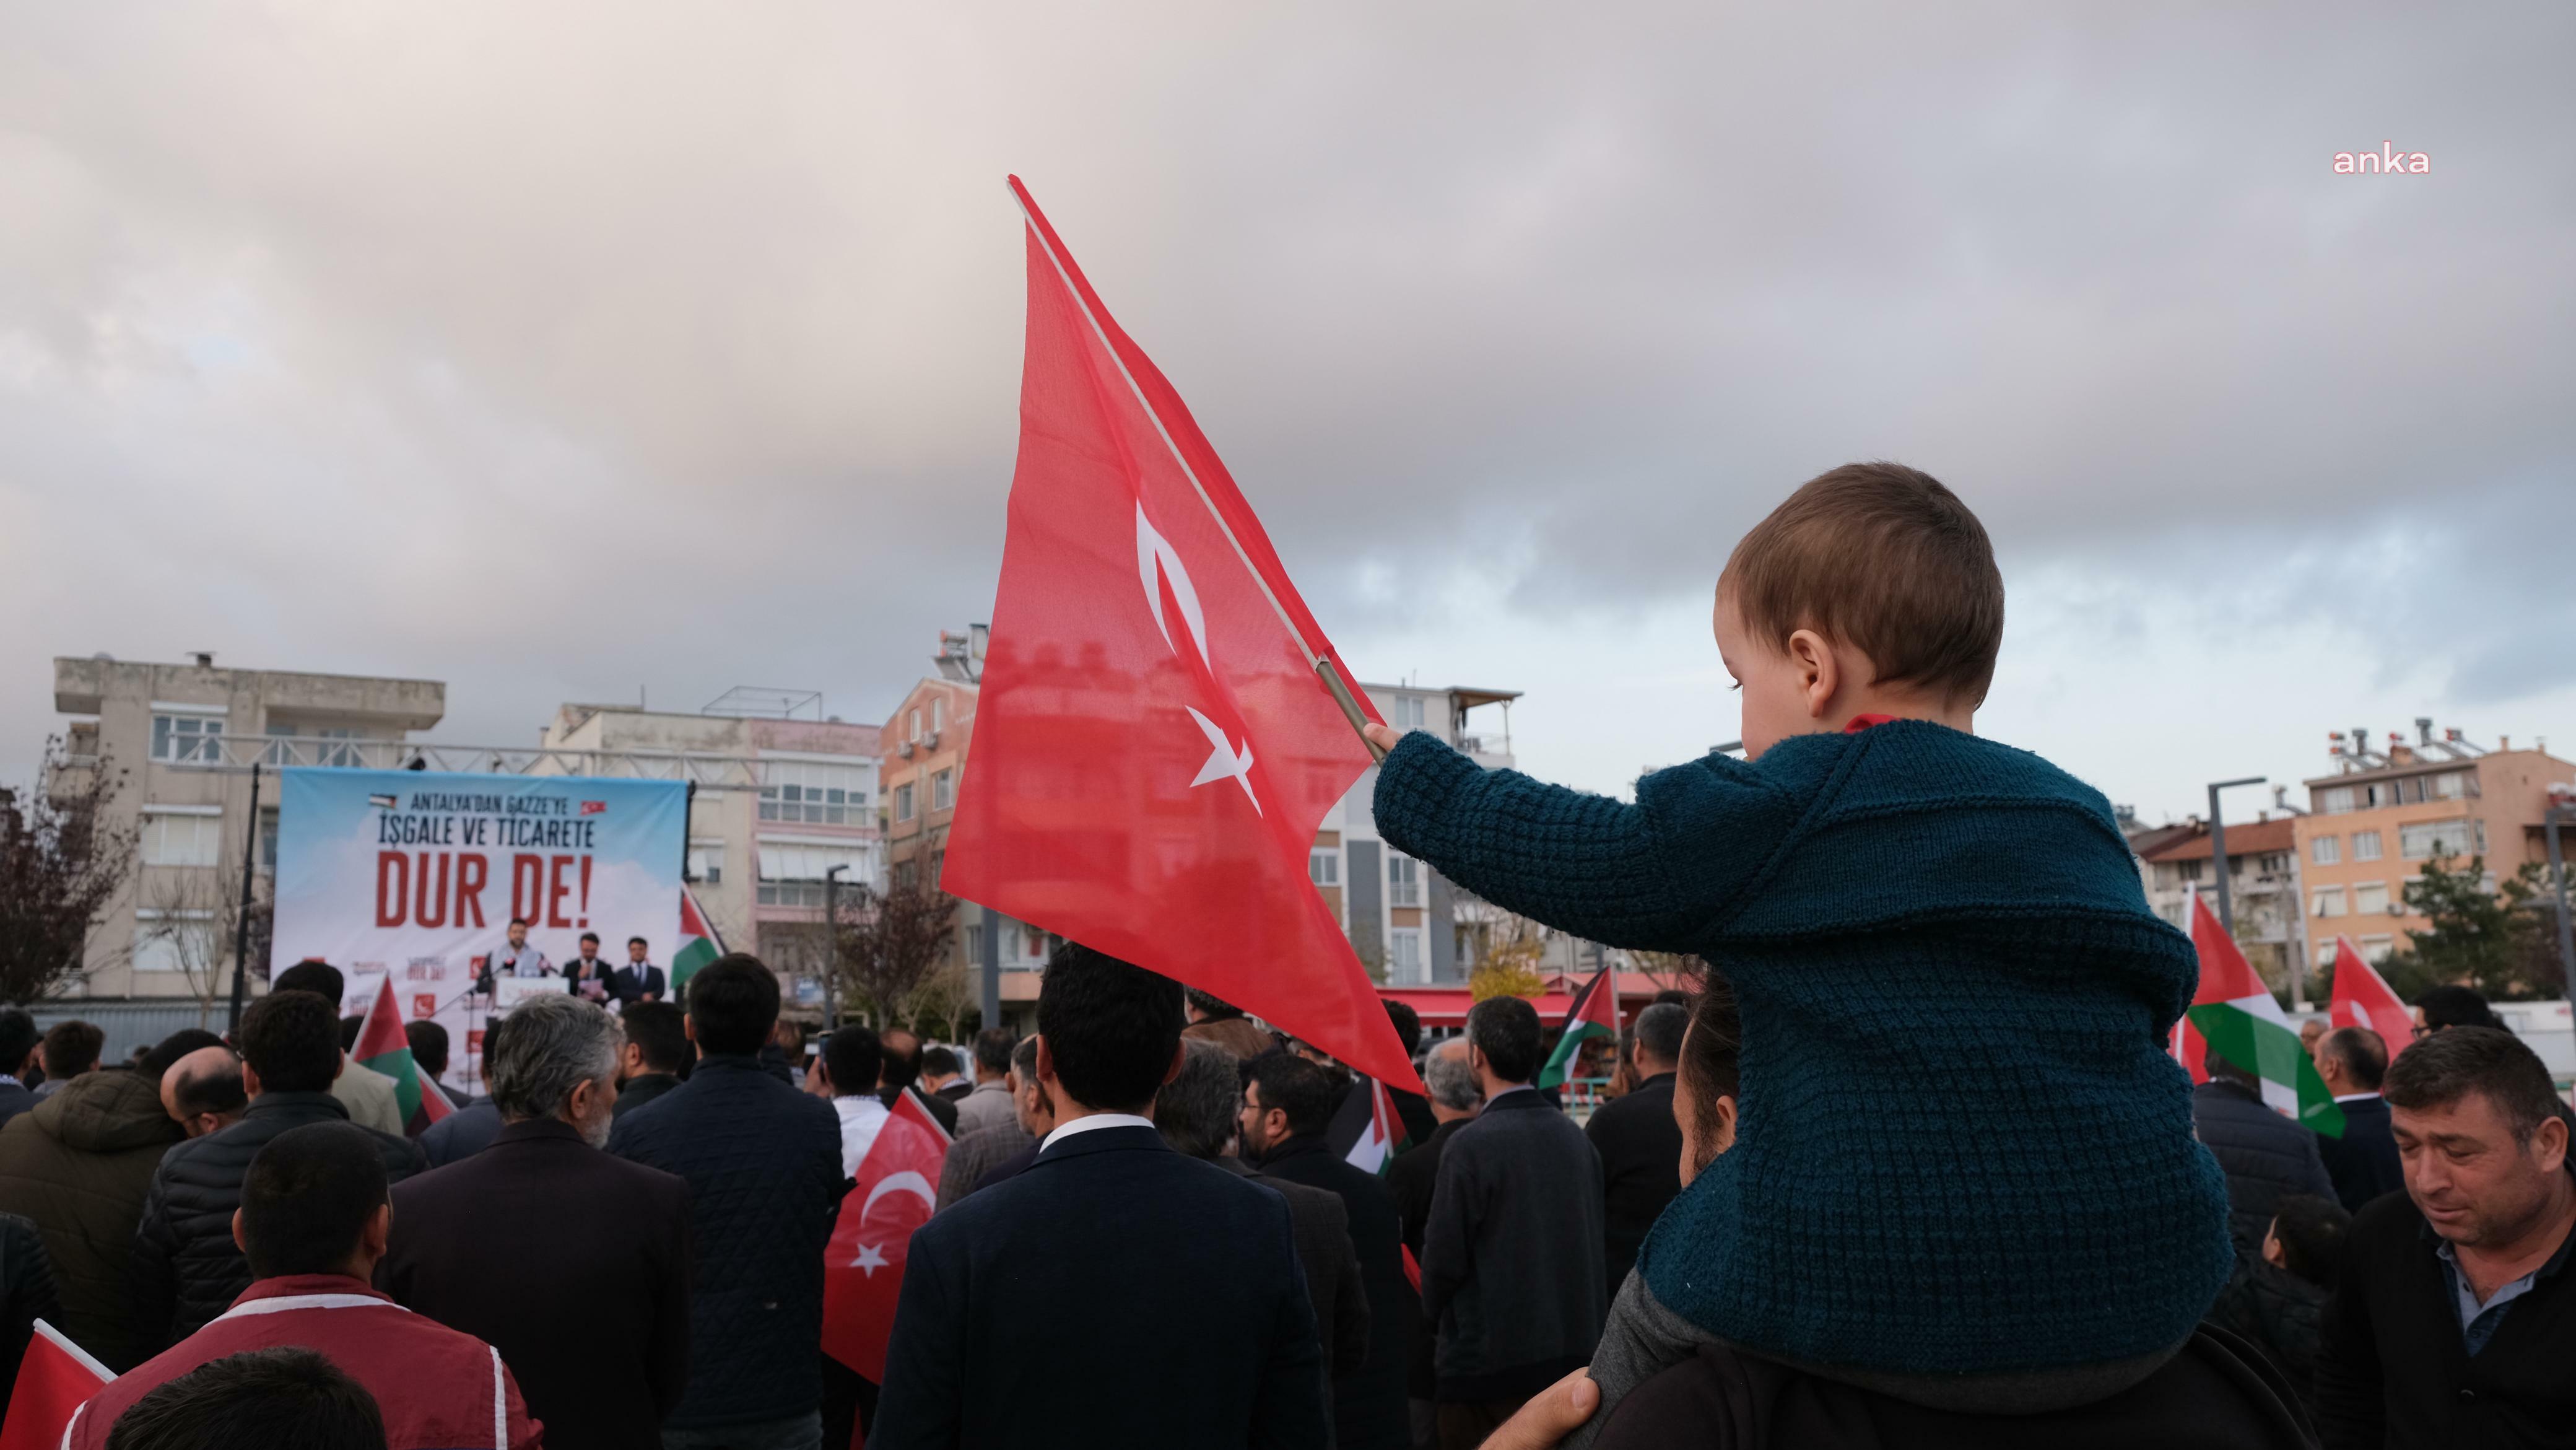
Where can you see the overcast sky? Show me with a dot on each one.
(568, 351)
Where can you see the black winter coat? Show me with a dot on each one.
(26, 1293)
(2279, 1313)
(186, 1267)
(1368, 1406)
(2363, 1162)
(2266, 1156)
(763, 1164)
(1640, 1144)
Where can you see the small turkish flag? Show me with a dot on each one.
(53, 1380)
(2362, 998)
(1154, 748)
(897, 1186)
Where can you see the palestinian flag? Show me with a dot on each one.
(1382, 1136)
(382, 1047)
(699, 944)
(1595, 1013)
(2238, 1018)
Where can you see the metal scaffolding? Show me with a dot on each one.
(228, 754)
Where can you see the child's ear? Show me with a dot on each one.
(1819, 673)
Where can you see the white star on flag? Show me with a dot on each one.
(869, 1259)
(1225, 760)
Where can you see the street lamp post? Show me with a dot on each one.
(2551, 820)
(2218, 854)
(832, 945)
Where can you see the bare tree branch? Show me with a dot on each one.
(61, 865)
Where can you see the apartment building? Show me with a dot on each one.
(2263, 886)
(785, 800)
(184, 736)
(2387, 809)
(1410, 926)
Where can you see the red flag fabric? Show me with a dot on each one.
(53, 1379)
(383, 1046)
(2225, 976)
(2363, 998)
(1153, 747)
(896, 1188)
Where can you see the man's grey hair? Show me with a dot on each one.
(555, 1044)
(1451, 1080)
(1196, 1111)
(1024, 1061)
(1660, 1029)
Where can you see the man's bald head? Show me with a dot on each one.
(202, 1092)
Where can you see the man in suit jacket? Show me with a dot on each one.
(653, 1057)
(602, 1354)
(988, 1103)
(1108, 1221)
(2363, 1163)
(1197, 1113)
(1287, 1103)
(639, 980)
(1639, 1142)
(981, 1150)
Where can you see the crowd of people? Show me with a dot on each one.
(1908, 1165)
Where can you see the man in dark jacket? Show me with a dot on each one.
(187, 1268)
(1639, 1142)
(979, 1152)
(1511, 1260)
(1287, 1103)
(78, 1166)
(470, 1129)
(763, 1164)
(19, 1040)
(903, 1069)
(601, 1351)
(2277, 1302)
(2454, 1315)
(2363, 1162)
(656, 1052)
(429, 1052)
(1411, 1178)
(1206, 1335)
(1196, 1113)
(2264, 1154)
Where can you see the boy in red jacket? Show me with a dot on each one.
(313, 1221)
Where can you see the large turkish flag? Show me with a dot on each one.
(896, 1187)
(1154, 748)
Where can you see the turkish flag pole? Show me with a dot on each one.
(2362, 998)
(1161, 724)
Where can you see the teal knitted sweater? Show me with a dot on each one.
(1961, 1147)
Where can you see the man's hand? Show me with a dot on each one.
(1550, 1416)
(1380, 736)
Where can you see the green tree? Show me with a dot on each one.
(2494, 941)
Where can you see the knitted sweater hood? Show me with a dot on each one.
(1962, 1148)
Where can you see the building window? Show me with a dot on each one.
(792, 875)
(187, 739)
(1403, 881)
(943, 789)
(706, 863)
(938, 714)
(1324, 867)
(268, 839)
(903, 801)
(2419, 839)
(2188, 870)
(2370, 898)
(2478, 836)
(173, 941)
(1404, 955)
(2375, 949)
(2326, 850)
(2327, 901)
(975, 942)
(913, 726)
(2335, 800)
(171, 839)
(1408, 712)
(2365, 845)
(816, 795)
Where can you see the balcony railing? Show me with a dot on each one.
(272, 752)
